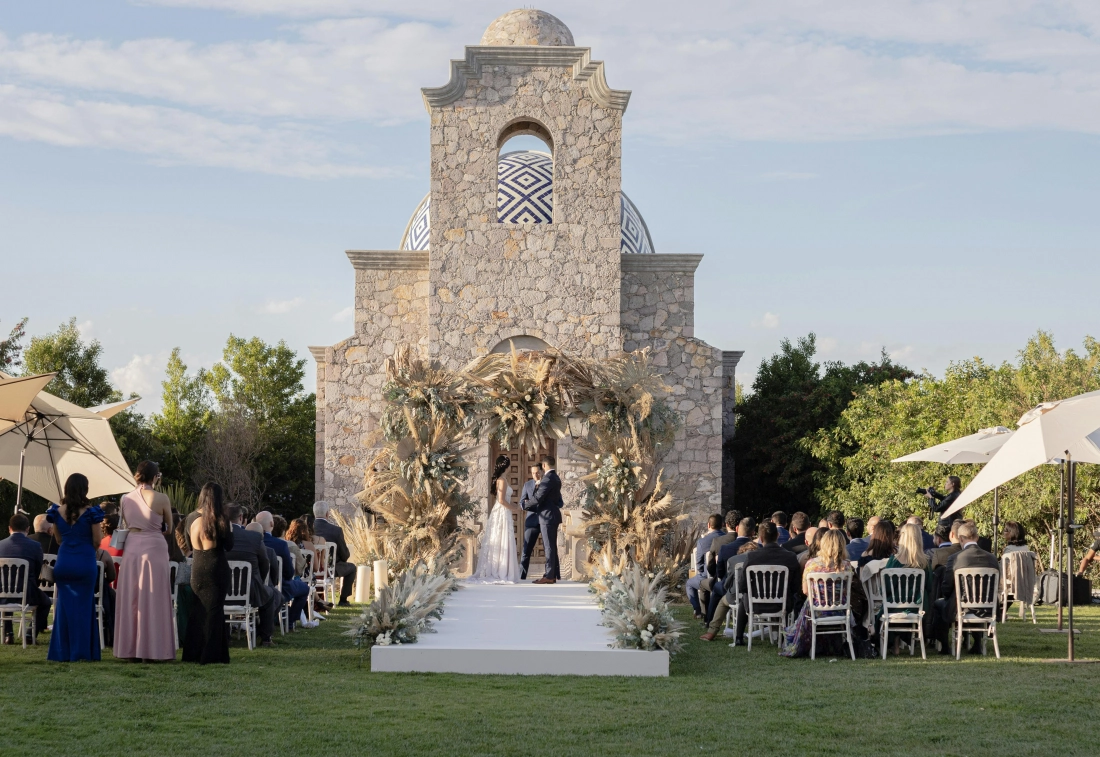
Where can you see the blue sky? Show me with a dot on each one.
(920, 176)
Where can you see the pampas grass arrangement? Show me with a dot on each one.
(635, 607)
(404, 609)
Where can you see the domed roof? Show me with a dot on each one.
(525, 184)
(528, 27)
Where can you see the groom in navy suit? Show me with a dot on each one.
(547, 502)
(531, 526)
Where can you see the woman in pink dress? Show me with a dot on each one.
(143, 600)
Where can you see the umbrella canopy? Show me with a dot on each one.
(16, 394)
(1067, 428)
(974, 449)
(112, 409)
(55, 439)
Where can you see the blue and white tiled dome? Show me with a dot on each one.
(525, 184)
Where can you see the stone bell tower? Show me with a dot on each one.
(549, 268)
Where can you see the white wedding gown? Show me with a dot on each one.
(497, 562)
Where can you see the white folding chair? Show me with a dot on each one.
(872, 588)
(284, 611)
(1019, 572)
(100, 570)
(903, 605)
(830, 593)
(173, 571)
(310, 579)
(14, 575)
(976, 591)
(239, 611)
(45, 585)
(767, 585)
(694, 562)
(731, 616)
(326, 572)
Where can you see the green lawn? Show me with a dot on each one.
(311, 696)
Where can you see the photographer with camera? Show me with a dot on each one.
(939, 503)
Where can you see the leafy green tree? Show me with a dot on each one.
(265, 383)
(11, 348)
(182, 421)
(793, 396)
(896, 418)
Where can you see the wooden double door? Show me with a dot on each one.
(516, 476)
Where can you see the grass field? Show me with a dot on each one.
(311, 696)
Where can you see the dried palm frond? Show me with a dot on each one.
(626, 396)
(364, 539)
(424, 389)
(524, 399)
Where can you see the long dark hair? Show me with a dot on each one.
(502, 464)
(76, 496)
(215, 522)
(883, 538)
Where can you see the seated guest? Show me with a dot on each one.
(911, 554)
(731, 520)
(926, 538)
(702, 546)
(324, 527)
(278, 530)
(770, 553)
(970, 555)
(941, 537)
(741, 535)
(292, 587)
(43, 534)
(249, 547)
(799, 523)
(948, 550)
(856, 543)
(883, 539)
(813, 541)
(779, 518)
(1015, 537)
(21, 546)
(834, 520)
(729, 598)
(110, 525)
(832, 557)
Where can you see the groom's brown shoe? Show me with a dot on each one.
(545, 580)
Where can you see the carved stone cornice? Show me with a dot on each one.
(730, 359)
(388, 260)
(318, 353)
(661, 262)
(584, 70)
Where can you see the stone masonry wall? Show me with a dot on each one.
(559, 281)
(390, 310)
(658, 312)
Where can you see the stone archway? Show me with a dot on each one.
(522, 343)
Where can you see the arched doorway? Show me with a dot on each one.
(518, 474)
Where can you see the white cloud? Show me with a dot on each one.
(902, 354)
(753, 70)
(85, 329)
(142, 375)
(827, 345)
(766, 321)
(344, 315)
(279, 307)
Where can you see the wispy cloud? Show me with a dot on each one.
(142, 375)
(766, 321)
(344, 315)
(279, 307)
(85, 329)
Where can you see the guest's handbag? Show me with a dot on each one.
(118, 538)
(183, 574)
(46, 574)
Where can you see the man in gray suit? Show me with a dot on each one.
(969, 555)
(329, 531)
(248, 546)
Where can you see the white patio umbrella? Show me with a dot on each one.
(111, 409)
(975, 449)
(16, 393)
(55, 439)
(1066, 430)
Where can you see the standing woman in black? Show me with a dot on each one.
(207, 633)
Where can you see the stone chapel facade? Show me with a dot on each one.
(533, 247)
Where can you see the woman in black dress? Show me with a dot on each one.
(211, 536)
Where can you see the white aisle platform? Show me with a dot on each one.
(520, 629)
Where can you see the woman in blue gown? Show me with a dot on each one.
(76, 526)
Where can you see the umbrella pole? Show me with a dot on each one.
(996, 516)
(1061, 553)
(19, 487)
(1069, 547)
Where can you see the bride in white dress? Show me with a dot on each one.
(497, 562)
